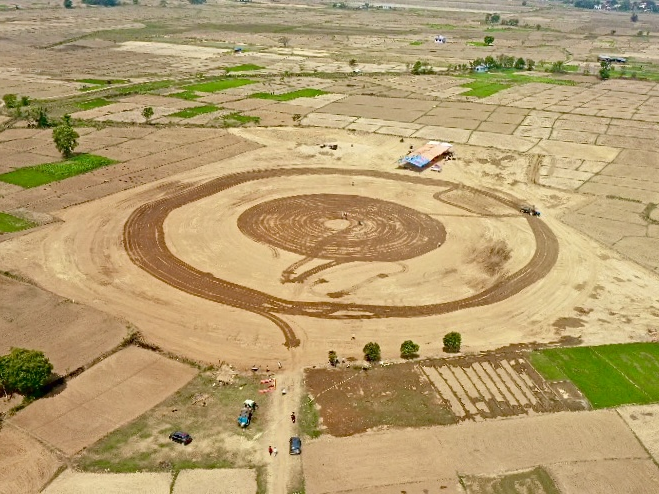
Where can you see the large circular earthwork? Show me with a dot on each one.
(144, 242)
(342, 227)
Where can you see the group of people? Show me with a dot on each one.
(272, 451)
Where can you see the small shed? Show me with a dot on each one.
(237, 49)
(440, 39)
(481, 68)
(420, 158)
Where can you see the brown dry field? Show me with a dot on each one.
(72, 482)
(108, 395)
(25, 464)
(584, 154)
(35, 318)
(567, 443)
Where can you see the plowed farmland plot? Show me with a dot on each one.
(436, 392)
(497, 385)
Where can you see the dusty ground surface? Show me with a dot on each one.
(34, 318)
(71, 482)
(225, 481)
(584, 154)
(90, 264)
(643, 421)
(108, 395)
(25, 464)
(563, 441)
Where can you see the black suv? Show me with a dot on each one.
(181, 437)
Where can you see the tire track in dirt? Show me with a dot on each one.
(144, 241)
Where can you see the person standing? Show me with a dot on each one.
(293, 417)
(274, 451)
(270, 450)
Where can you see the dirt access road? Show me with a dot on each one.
(144, 240)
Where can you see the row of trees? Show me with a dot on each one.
(504, 62)
(622, 5)
(25, 372)
(408, 349)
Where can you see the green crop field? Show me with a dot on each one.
(607, 375)
(93, 103)
(483, 89)
(9, 223)
(219, 85)
(244, 68)
(300, 93)
(103, 82)
(34, 176)
(194, 111)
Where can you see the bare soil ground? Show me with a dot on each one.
(224, 481)
(103, 398)
(34, 318)
(560, 441)
(642, 419)
(72, 482)
(25, 464)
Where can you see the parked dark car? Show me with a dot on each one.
(181, 437)
(295, 446)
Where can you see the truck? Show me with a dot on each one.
(530, 210)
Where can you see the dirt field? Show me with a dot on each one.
(71, 482)
(231, 245)
(225, 481)
(565, 442)
(25, 465)
(36, 319)
(102, 398)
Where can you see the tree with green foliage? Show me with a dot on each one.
(284, 41)
(24, 371)
(333, 358)
(25, 101)
(557, 67)
(147, 113)
(68, 4)
(409, 349)
(452, 342)
(634, 17)
(488, 40)
(38, 117)
(520, 64)
(421, 67)
(65, 137)
(605, 71)
(530, 64)
(352, 62)
(11, 100)
(371, 352)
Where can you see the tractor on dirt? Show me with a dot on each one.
(530, 210)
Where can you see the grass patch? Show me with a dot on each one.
(246, 67)
(9, 223)
(219, 85)
(93, 103)
(483, 89)
(240, 119)
(309, 418)
(477, 43)
(416, 43)
(300, 93)
(194, 111)
(143, 445)
(103, 82)
(186, 95)
(34, 176)
(446, 27)
(609, 375)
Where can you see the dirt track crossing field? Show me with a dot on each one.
(144, 240)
